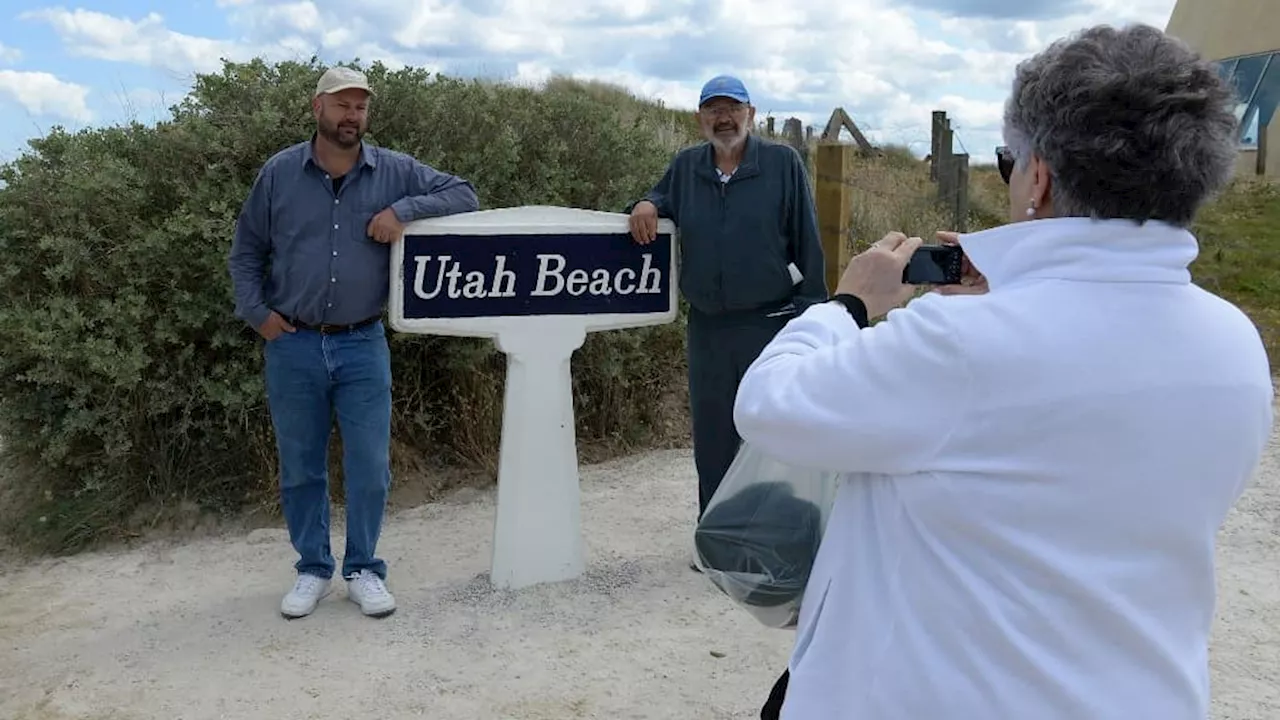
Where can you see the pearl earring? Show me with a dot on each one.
(1031, 210)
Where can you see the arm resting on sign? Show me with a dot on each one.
(250, 251)
(806, 248)
(826, 395)
(431, 193)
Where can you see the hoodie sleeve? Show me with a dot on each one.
(825, 394)
(662, 194)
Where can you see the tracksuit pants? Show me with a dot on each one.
(721, 348)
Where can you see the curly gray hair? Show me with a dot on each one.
(1131, 123)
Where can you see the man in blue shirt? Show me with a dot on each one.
(750, 258)
(310, 265)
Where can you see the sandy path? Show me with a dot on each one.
(191, 631)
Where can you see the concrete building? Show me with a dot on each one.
(1244, 37)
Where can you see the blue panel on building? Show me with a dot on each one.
(1257, 82)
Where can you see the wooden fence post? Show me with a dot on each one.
(833, 197)
(945, 159)
(793, 130)
(1260, 168)
(935, 147)
(961, 208)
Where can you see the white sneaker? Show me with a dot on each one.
(305, 595)
(369, 592)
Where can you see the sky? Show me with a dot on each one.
(888, 63)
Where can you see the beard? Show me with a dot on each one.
(728, 137)
(344, 135)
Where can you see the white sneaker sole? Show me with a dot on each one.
(294, 615)
(376, 613)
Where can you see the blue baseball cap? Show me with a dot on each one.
(724, 86)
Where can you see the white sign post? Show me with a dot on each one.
(536, 279)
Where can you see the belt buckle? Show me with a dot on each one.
(334, 329)
(331, 329)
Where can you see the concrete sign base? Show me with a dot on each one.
(536, 280)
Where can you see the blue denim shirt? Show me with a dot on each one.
(301, 250)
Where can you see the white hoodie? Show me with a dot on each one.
(1035, 480)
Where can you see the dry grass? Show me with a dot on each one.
(892, 192)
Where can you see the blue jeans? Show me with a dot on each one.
(311, 378)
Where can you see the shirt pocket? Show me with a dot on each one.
(369, 208)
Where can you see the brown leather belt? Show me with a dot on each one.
(326, 329)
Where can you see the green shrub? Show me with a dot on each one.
(125, 381)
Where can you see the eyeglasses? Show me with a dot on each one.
(719, 111)
(1004, 161)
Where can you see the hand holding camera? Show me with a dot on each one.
(889, 272)
(875, 276)
(968, 281)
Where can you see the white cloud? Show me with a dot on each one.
(9, 55)
(1023, 37)
(42, 93)
(886, 64)
(88, 33)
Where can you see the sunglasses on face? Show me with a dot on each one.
(1004, 161)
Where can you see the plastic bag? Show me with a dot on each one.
(760, 533)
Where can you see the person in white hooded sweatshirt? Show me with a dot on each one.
(1036, 463)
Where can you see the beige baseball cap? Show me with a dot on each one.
(338, 78)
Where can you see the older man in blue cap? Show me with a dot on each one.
(750, 258)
